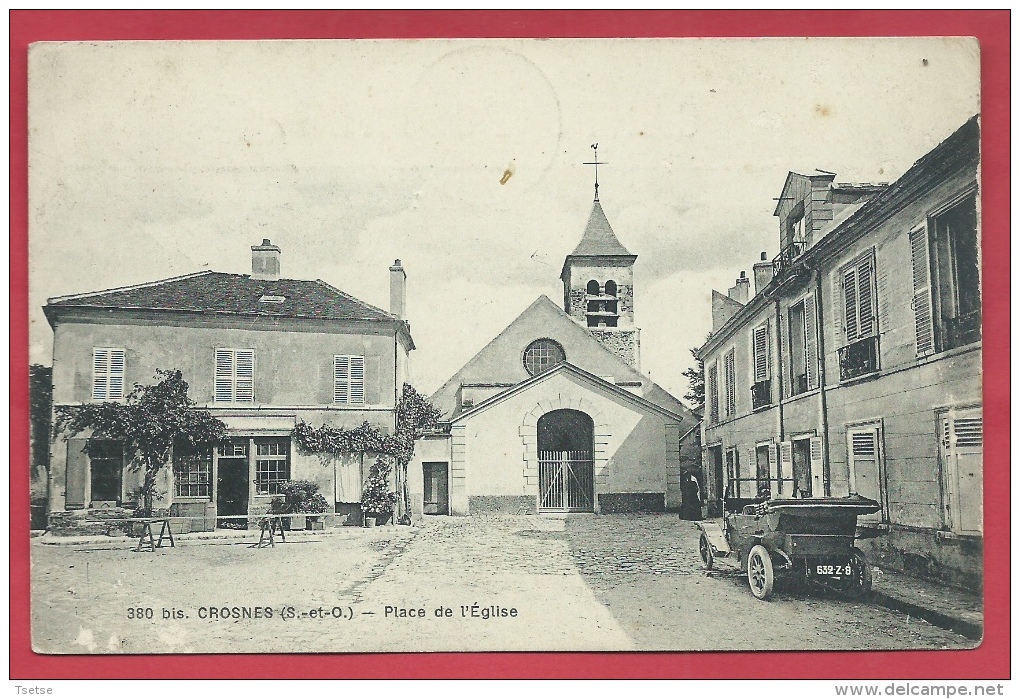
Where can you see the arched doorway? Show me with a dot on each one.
(566, 473)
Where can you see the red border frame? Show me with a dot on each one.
(991, 27)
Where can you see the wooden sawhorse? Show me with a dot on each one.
(147, 538)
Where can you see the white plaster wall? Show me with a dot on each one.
(631, 450)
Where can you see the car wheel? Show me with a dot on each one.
(859, 584)
(760, 575)
(705, 549)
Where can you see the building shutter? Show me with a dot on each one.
(964, 437)
(224, 379)
(76, 474)
(713, 393)
(786, 460)
(866, 297)
(817, 467)
(760, 340)
(244, 366)
(777, 485)
(921, 302)
(850, 304)
(341, 378)
(357, 380)
(810, 342)
(864, 466)
(107, 373)
(729, 374)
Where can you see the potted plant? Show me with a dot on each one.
(303, 500)
(377, 500)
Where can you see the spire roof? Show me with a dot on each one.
(598, 238)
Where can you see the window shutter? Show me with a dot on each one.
(786, 459)
(244, 367)
(817, 467)
(850, 327)
(357, 380)
(224, 379)
(729, 371)
(116, 375)
(76, 474)
(713, 393)
(341, 378)
(810, 341)
(761, 353)
(921, 302)
(774, 469)
(100, 377)
(866, 297)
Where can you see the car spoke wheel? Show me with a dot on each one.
(760, 575)
(705, 549)
(858, 585)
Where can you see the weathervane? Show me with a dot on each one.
(595, 147)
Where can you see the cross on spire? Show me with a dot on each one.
(596, 163)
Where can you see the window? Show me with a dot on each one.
(713, 393)
(541, 355)
(859, 354)
(235, 376)
(592, 288)
(803, 346)
(761, 346)
(107, 373)
(348, 379)
(729, 381)
(272, 465)
(947, 312)
(192, 469)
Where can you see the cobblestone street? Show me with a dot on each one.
(577, 582)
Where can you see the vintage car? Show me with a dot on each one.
(799, 540)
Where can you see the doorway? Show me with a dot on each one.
(232, 479)
(715, 470)
(106, 459)
(802, 467)
(437, 489)
(566, 472)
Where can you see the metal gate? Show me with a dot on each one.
(566, 481)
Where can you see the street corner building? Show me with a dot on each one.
(554, 414)
(260, 352)
(855, 366)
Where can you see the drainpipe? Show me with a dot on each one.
(779, 357)
(826, 468)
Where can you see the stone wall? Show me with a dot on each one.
(622, 343)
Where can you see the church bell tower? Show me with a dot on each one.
(598, 285)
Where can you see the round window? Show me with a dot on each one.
(542, 354)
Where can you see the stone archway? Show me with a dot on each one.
(601, 433)
(566, 476)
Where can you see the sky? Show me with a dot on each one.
(149, 160)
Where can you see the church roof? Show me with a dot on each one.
(598, 238)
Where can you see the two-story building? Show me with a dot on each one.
(262, 353)
(856, 365)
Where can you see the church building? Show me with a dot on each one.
(554, 414)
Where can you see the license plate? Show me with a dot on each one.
(833, 570)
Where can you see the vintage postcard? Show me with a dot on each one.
(506, 345)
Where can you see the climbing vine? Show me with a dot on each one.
(415, 417)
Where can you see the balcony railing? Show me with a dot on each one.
(858, 358)
(787, 255)
(963, 330)
(761, 394)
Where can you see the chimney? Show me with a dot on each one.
(265, 261)
(742, 291)
(398, 289)
(763, 272)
